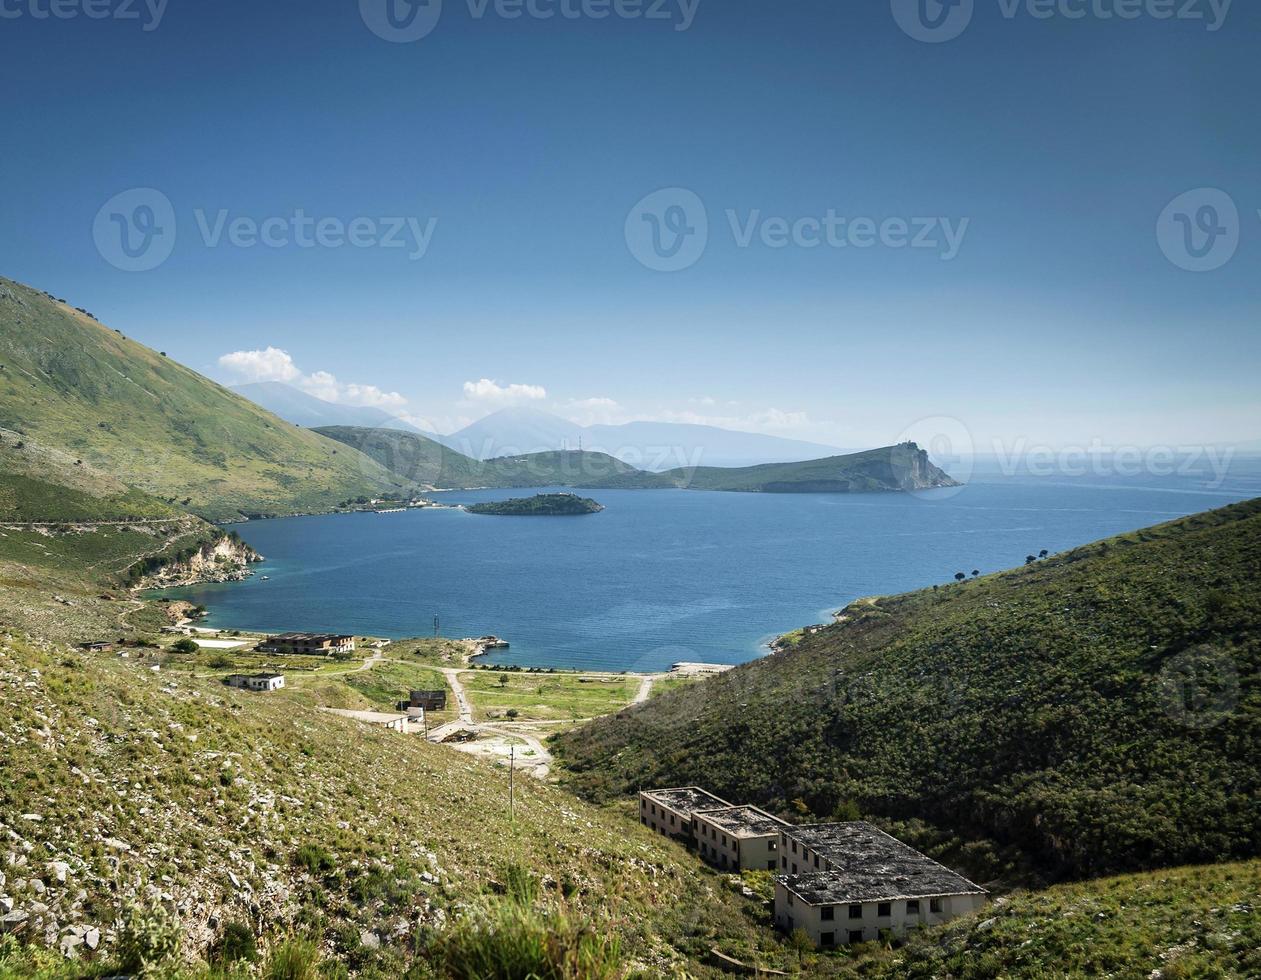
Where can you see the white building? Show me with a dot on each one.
(669, 811)
(738, 837)
(256, 682)
(851, 882)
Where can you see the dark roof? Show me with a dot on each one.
(310, 637)
(867, 865)
(743, 821)
(686, 799)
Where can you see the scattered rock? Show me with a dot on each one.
(13, 921)
(92, 938)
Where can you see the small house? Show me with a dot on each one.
(428, 700)
(256, 682)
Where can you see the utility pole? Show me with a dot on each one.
(512, 771)
(435, 627)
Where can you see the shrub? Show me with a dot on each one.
(149, 940)
(314, 857)
(185, 645)
(236, 944)
(509, 939)
(294, 959)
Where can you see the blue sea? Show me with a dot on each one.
(664, 576)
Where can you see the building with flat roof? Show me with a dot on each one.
(256, 682)
(738, 837)
(429, 700)
(851, 882)
(669, 811)
(318, 644)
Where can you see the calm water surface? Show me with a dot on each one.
(662, 576)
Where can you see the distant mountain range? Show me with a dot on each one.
(652, 446)
(296, 406)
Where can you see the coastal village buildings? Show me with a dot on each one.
(851, 882)
(840, 883)
(317, 644)
(256, 682)
(669, 811)
(739, 837)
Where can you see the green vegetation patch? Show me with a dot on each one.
(1098, 711)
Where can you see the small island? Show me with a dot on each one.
(542, 505)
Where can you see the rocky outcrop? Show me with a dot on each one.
(225, 559)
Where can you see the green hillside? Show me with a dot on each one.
(1095, 712)
(261, 815)
(71, 538)
(68, 382)
(413, 457)
(901, 467)
(423, 461)
(152, 812)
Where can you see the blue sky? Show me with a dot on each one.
(1048, 147)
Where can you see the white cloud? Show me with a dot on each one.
(273, 364)
(493, 393)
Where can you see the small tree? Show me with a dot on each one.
(1030, 559)
(185, 645)
(1043, 553)
(959, 576)
(976, 573)
(503, 680)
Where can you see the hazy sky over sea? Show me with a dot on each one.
(892, 225)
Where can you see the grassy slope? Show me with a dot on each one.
(903, 467)
(218, 791)
(1181, 922)
(422, 460)
(1097, 711)
(71, 383)
(413, 457)
(73, 558)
